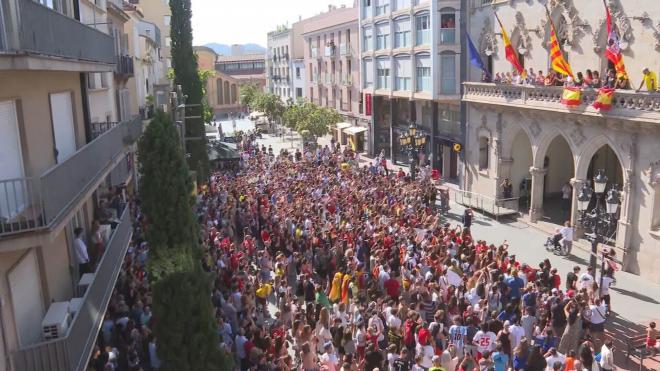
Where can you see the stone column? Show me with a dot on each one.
(575, 213)
(536, 203)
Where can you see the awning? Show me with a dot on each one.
(342, 125)
(354, 130)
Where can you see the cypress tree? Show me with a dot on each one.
(166, 196)
(184, 319)
(184, 63)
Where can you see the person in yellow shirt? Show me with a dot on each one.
(263, 292)
(650, 79)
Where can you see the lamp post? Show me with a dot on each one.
(412, 141)
(601, 220)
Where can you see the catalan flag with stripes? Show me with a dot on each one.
(510, 53)
(557, 60)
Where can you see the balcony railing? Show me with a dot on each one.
(124, 66)
(28, 204)
(40, 30)
(329, 50)
(150, 31)
(72, 351)
(626, 104)
(345, 49)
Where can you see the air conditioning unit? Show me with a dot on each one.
(56, 321)
(74, 307)
(85, 281)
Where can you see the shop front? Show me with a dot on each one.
(338, 134)
(355, 137)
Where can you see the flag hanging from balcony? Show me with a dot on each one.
(351, 143)
(511, 55)
(572, 96)
(557, 60)
(475, 58)
(604, 99)
(613, 49)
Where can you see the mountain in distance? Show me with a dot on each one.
(224, 49)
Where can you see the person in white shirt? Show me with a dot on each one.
(329, 358)
(606, 282)
(517, 333)
(484, 340)
(553, 357)
(567, 237)
(607, 356)
(82, 258)
(586, 279)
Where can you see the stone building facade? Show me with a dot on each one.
(525, 133)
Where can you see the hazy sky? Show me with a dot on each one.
(248, 21)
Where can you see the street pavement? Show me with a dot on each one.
(635, 301)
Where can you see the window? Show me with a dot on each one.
(402, 73)
(423, 26)
(367, 43)
(401, 4)
(104, 80)
(168, 41)
(402, 32)
(382, 35)
(448, 74)
(366, 9)
(368, 73)
(483, 153)
(423, 72)
(298, 92)
(297, 72)
(166, 20)
(382, 7)
(447, 26)
(383, 73)
(348, 36)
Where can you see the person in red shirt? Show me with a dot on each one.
(392, 287)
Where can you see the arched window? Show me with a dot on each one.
(367, 73)
(402, 32)
(448, 73)
(423, 72)
(402, 78)
(383, 73)
(422, 28)
(447, 26)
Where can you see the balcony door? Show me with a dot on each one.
(26, 292)
(12, 192)
(61, 110)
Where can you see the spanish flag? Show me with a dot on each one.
(572, 96)
(351, 143)
(604, 100)
(613, 48)
(511, 55)
(557, 60)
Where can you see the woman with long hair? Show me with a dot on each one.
(520, 354)
(570, 338)
(535, 361)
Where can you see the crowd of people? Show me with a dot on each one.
(324, 265)
(588, 79)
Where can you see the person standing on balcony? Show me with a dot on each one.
(650, 79)
(80, 249)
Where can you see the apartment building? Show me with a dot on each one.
(410, 61)
(332, 68)
(57, 165)
(117, 18)
(158, 13)
(523, 132)
(146, 89)
(284, 62)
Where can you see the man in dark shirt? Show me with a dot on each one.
(558, 320)
(372, 359)
(571, 278)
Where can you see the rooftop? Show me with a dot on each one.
(240, 58)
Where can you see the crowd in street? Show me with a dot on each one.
(324, 265)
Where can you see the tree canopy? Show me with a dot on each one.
(306, 117)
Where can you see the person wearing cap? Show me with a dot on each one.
(329, 359)
(649, 79)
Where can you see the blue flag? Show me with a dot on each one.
(475, 58)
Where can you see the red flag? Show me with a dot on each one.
(510, 53)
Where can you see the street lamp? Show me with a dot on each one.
(602, 219)
(412, 141)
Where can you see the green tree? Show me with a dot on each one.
(186, 332)
(309, 119)
(183, 312)
(184, 63)
(270, 104)
(207, 111)
(248, 94)
(166, 201)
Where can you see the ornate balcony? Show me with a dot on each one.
(626, 104)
